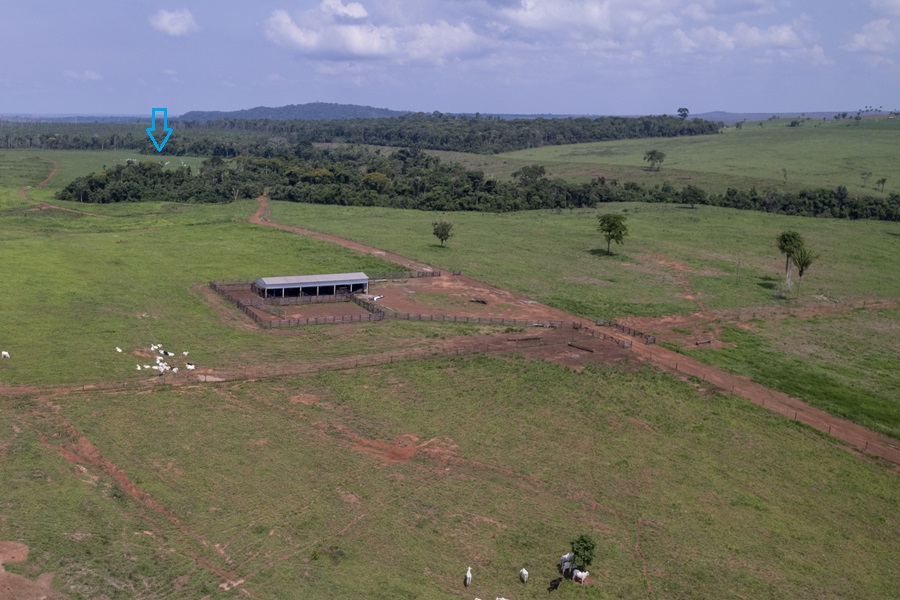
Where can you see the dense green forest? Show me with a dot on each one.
(410, 178)
(234, 137)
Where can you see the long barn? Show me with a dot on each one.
(312, 285)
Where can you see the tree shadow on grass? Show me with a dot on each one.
(438, 246)
(893, 233)
(768, 282)
(600, 252)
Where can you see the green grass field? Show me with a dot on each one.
(284, 482)
(846, 364)
(728, 258)
(816, 154)
(687, 495)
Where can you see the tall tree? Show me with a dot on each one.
(655, 158)
(788, 242)
(803, 258)
(881, 182)
(613, 228)
(683, 113)
(443, 230)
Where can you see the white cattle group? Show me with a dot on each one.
(162, 366)
(566, 567)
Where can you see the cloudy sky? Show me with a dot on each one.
(492, 56)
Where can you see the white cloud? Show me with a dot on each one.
(876, 37)
(353, 10)
(175, 23)
(888, 7)
(319, 34)
(82, 75)
(561, 14)
(778, 36)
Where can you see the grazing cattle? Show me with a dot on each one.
(565, 568)
(565, 558)
(554, 584)
(139, 367)
(523, 575)
(468, 580)
(580, 576)
(5, 354)
(184, 353)
(190, 366)
(118, 349)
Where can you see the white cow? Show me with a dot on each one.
(523, 575)
(580, 576)
(5, 354)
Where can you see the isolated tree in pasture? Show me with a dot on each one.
(683, 113)
(788, 242)
(443, 230)
(655, 158)
(693, 195)
(881, 183)
(613, 228)
(803, 258)
(583, 549)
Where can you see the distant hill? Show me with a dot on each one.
(314, 111)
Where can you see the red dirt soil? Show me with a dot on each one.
(17, 587)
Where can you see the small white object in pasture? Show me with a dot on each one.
(175, 370)
(523, 575)
(580, 576)
(184, 353)
(139, 367)
(190, 366)
(5, 354)
(118, 349)
(566, 558)
(468, 579)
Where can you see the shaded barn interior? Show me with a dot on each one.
(312, 285)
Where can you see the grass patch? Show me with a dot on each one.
(846, 365)
(729, 257)
(287, 479)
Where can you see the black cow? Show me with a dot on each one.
(554, 584)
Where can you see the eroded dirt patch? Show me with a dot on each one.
(17, 587)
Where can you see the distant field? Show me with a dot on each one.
(816, 154)
(725, 258)
(20, 168)
(387, 483)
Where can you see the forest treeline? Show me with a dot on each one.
(411, 178)
(233, 137)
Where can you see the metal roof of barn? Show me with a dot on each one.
(277, 283)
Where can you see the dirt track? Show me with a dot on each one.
(859, 440)
(23, 194)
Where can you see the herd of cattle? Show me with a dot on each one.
(566, 568)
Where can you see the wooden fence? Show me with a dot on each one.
(648, 339)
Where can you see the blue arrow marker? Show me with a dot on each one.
(166, 128)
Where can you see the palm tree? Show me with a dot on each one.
(803, 258)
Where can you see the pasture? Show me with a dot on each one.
(388, 482)
(724, 259)
(765, 154)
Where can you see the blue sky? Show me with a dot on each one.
(492, 56)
